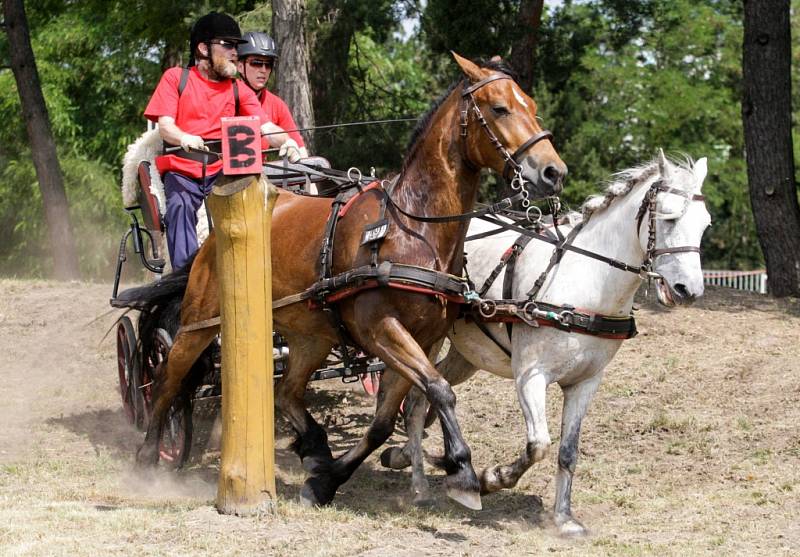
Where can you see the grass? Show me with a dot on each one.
(677, 457)
(662, 423)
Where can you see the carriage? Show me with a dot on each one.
(406, 300)
(137, 371)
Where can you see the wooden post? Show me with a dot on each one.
(242, 211)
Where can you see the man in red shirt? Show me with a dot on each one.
(188, 104)
(257, 55)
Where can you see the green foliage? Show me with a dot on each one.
(392, 80)
(615, 81)
(668, 78)
(98, 66)
(473, 29)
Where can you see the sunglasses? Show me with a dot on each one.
(260, 63)
(227, 45)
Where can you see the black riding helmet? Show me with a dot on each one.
(257, 44)
(213, 25)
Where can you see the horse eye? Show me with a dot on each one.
(500, 111)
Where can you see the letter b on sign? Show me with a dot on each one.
(241, 145)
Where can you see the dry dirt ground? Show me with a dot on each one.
(690, 447)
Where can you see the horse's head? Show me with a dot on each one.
(500, 131)
(677, 217)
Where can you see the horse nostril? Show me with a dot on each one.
(682, 291)
(553, 175)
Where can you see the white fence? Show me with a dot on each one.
(754, 281)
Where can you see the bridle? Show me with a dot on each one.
(563, 244)
(649, 206)
(511, 160)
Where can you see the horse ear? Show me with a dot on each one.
(700, 170)
(662, 163)
(470, 69)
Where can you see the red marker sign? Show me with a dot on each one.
(241, 145)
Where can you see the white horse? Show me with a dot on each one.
(661, 197)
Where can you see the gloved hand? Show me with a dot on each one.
(303, 153)
(189, 141)
(290, 149)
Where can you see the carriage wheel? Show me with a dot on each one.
(371, 381)
(176, 437)
(127, 365)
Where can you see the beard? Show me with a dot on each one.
(222, 68)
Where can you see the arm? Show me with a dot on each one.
(277, 139)
(172, 134)
(274, 134)
(288, 145)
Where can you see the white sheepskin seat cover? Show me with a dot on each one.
(147, 148)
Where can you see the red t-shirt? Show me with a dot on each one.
(198, 111)
(278, 113)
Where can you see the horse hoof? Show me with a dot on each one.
(489, 481)
(316, 492)
(496, 478)
(307, 497)
(568, 527)
(395, 458)
(470, 499)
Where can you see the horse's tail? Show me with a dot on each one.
(168, 288)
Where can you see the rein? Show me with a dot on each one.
(329, 289)
(565, 317)
(511, 160)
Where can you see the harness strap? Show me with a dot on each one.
(612, 262)
(492, 209)
(343, 210)
(555, 258)
(565, 318)
(544, 134)
(508, 278)
(677, 249)
(475, 86)
(204, 324)
(485, 330)
(395, 275)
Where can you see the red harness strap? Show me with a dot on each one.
(347, 292)
(350, 201)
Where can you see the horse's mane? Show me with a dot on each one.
(424, 122)
(622, 183)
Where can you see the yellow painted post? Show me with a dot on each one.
(242, 211)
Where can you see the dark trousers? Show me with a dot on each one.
(184, 197)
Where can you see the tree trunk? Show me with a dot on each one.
(330, 80)
(43, 147)
(289, 30)
(523, 51)
(766, 114)
(172, 56)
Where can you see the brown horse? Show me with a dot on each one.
(482, 119)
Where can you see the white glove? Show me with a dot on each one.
(290, 149)
(189, 141)
(303, 153)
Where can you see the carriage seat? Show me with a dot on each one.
(151, 214)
